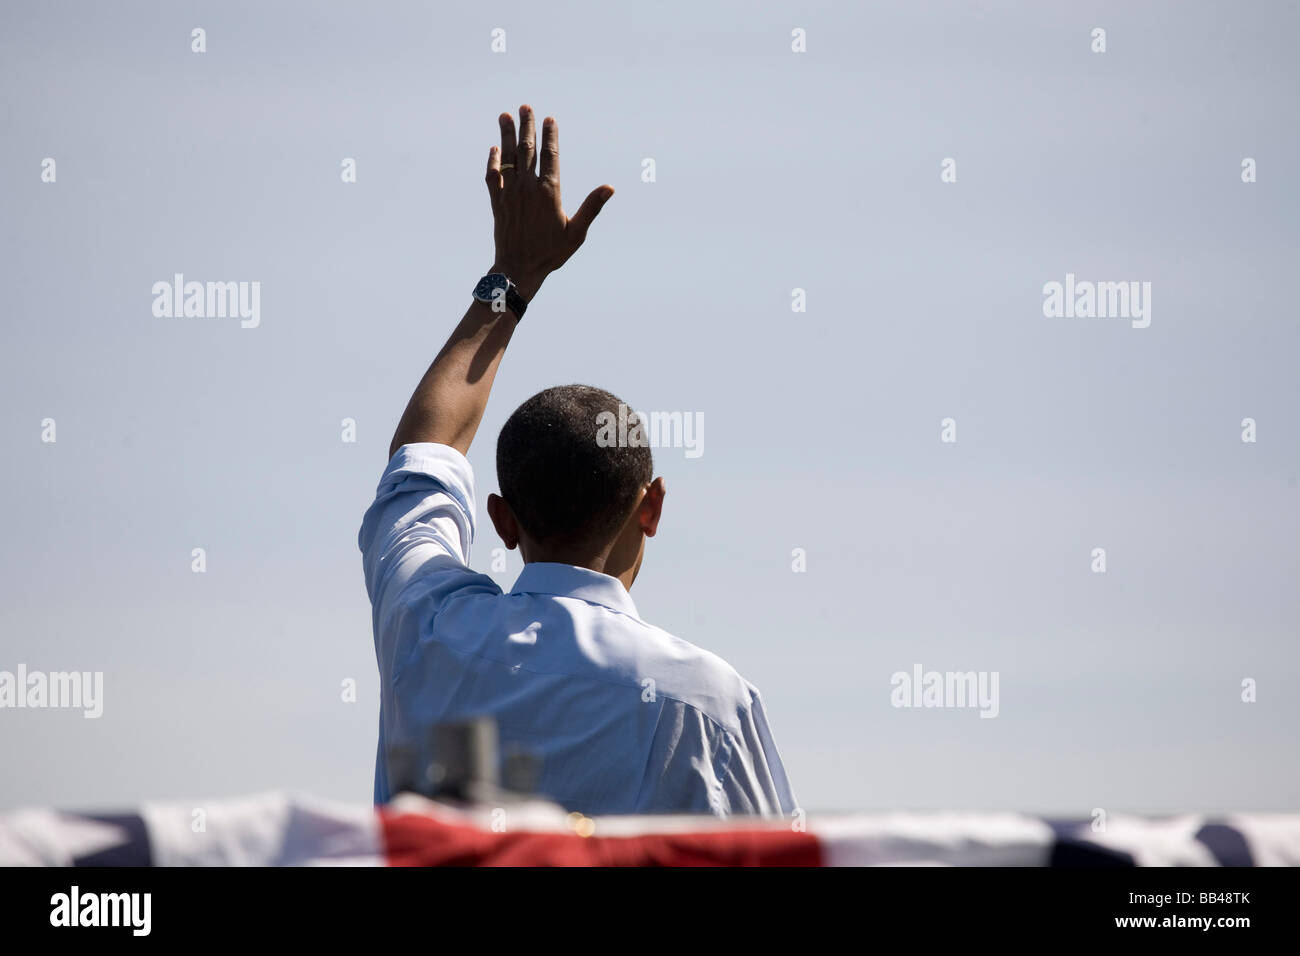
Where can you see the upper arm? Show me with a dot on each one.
(698, 766)
(753, 779)
(419, 528)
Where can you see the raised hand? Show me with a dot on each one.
(533, 235)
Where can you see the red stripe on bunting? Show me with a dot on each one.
(412, 839)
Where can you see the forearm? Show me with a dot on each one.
(449, 402)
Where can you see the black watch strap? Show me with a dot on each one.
(515, 302)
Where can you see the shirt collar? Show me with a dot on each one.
(567, 580)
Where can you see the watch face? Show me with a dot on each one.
(488, 286)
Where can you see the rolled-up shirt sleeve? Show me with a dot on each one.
(416, 537)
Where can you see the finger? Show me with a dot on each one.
(527, 151)
(508, 155)
(493, 177)
(548, 165)
(591, 206)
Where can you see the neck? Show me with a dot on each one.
(603, 562)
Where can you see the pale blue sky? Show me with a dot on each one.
(774, 171)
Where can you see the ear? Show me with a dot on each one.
(503, 519)
(652, 506)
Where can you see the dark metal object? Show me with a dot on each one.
(464, 763)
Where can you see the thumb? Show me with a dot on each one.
(591, 206)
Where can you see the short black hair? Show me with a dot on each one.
(566, 488)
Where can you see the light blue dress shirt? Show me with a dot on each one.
(624, 717)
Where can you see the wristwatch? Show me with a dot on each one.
(490, 287)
